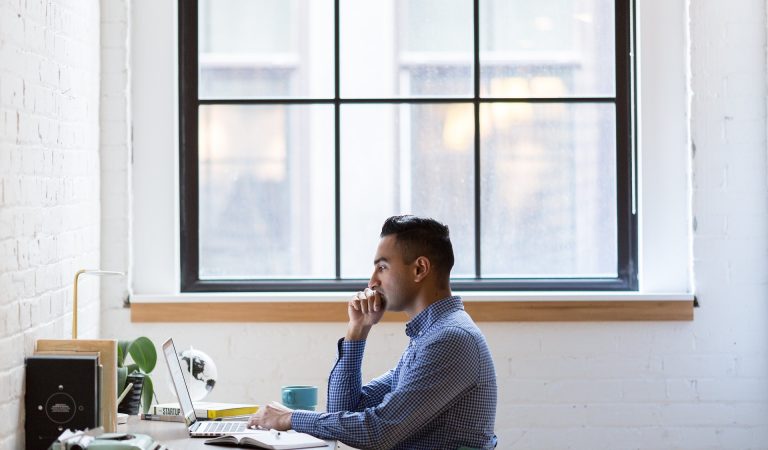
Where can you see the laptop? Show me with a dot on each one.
(197, 428)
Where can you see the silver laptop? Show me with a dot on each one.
(197, 428)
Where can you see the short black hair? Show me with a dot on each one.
(422, 236)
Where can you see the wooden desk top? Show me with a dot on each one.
(175, 436)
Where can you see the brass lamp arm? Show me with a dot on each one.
(74, 294)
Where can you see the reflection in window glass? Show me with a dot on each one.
(266, 191)
(399, 159)
(547, 48)
(265, 48)
(548, 190)
(385, 44)
(267, 174)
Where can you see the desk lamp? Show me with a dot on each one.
(105, 348)
(74, 295)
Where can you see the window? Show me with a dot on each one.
(305, 123)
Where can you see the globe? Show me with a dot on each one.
(199, 372)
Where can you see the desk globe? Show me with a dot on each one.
(199, 372)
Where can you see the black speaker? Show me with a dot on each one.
(62, 392)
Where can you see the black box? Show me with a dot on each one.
(62, 392)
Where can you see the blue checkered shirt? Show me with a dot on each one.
(441, 395)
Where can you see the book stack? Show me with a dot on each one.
(106, 350)
(207, 410)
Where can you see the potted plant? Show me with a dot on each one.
(143, 357)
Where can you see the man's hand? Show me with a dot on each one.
(274, 416)
(365, 310)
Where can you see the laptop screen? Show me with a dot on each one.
(179, 384)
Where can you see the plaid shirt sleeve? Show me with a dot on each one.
(345, 390)
(435, 378)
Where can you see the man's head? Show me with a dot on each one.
(414, 254)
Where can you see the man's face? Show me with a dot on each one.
(392, 277)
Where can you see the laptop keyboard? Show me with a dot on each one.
(225, 427)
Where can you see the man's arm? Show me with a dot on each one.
(444, 369)
(345, 390)
(365, 310)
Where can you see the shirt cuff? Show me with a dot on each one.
(350, 355)
(304, 421)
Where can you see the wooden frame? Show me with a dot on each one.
(107, 350)
(481, 311)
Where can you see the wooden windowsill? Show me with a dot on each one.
(604, 308)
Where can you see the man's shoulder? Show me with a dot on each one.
(456, 320)
(456, 330)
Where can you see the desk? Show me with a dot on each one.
(175, 436)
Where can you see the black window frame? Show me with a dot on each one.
(626, 180)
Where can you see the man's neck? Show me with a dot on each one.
(425, 299)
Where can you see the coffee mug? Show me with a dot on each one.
(300, 397)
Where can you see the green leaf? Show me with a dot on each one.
(122, 352)
(146, 394)
(143, 352)
(122, 375)
(132, 368)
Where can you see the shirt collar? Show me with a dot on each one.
(424, 319)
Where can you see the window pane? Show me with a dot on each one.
(400, 159)
(548, 190)
(265, 48)
(396, 48)
(266, 191)
(547, 48)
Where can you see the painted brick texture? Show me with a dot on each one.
(697, 385)
(49, 183)
(692, 385)
(115, 137)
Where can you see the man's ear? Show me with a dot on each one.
(422, 268)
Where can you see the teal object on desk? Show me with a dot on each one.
(300, 397)
(123, 441)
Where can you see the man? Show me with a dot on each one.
(442, 393)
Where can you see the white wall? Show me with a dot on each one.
(687, 385)
(116, 151)
(700, 384)
(49, 184)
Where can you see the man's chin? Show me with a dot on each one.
(393, 307)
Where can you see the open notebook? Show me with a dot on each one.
(269, 439)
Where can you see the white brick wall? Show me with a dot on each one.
(691, 385)
(115, 149)
(49, 183)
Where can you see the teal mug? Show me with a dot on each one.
(300, 397)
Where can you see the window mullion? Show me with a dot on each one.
(337, 137)
(476, 71)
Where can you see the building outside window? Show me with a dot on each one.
(520, 142)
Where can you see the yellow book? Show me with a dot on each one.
(208, 410)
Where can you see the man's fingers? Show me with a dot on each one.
(255, 420)
(367, 301)
(374, 299)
